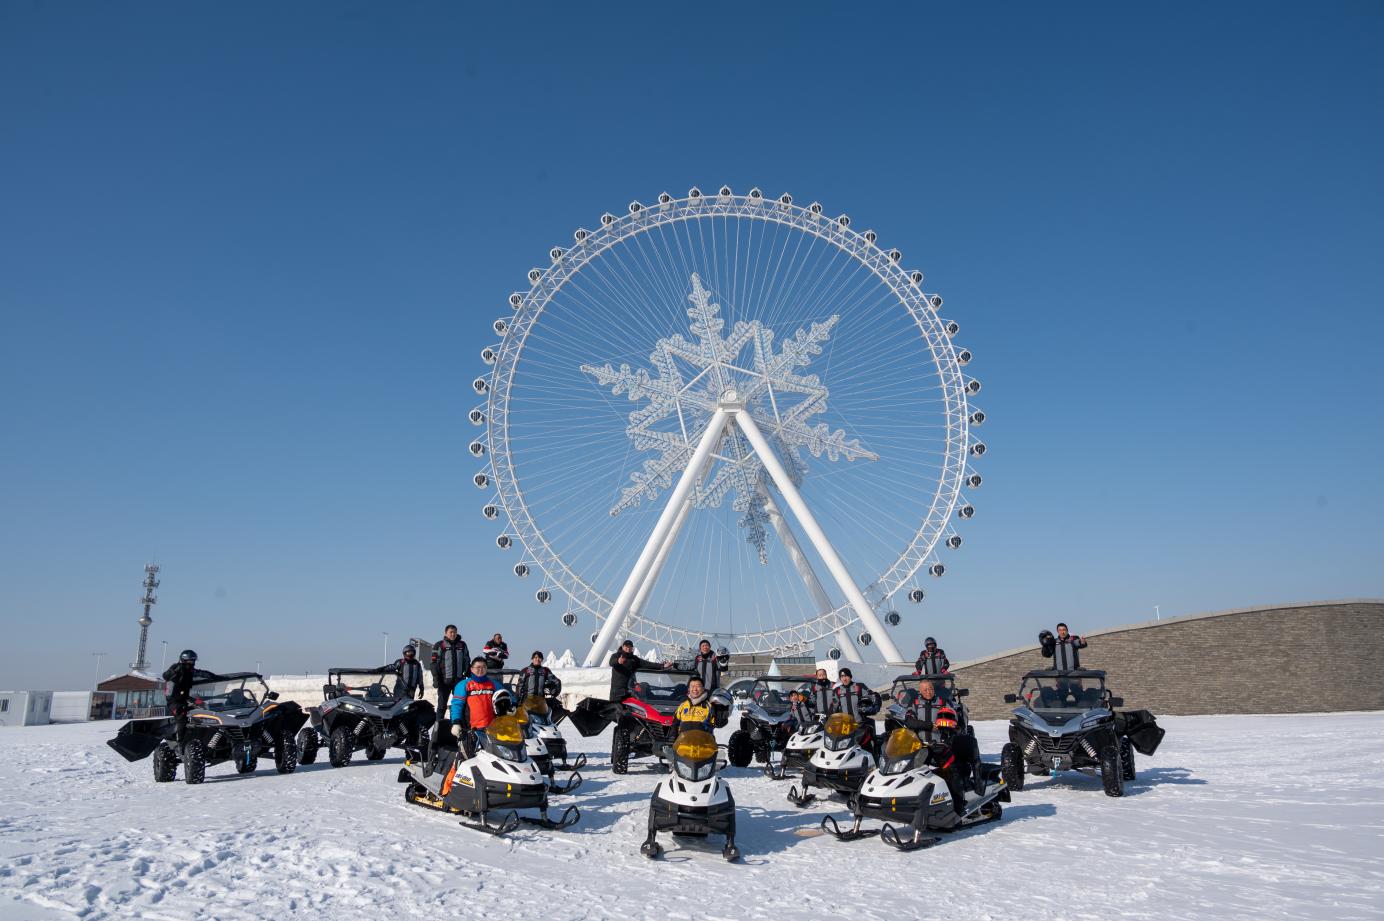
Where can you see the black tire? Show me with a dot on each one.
(339, 747)
(308, 743)
(740, 749)
(165, 764)
(246, 767)
(194, 762)
(286, 753)
(375, 754)
(1127, 760)
(1110, 771)
(620, 751)
(971, 731)
(1012, 766)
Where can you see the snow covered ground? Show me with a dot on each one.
(1235, 817)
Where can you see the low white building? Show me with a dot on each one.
(25, 708)
(80, 706)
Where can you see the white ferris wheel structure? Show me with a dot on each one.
(730, 417)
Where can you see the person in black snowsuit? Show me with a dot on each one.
(496, 652)
(858, 702)
(920, 716)
(180, 676)
(709, 665)
(537, 680)
(821, 694)
(623, 664)
(953, 754)
(451, 662)
(1062, 648)
(800, 710)
(410, 683)
(931, 661)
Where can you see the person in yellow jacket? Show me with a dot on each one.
(695, 711)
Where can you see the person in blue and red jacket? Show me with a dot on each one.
(474, 698)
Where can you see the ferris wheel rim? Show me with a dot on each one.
(566, 263)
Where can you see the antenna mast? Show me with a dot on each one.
(151, 582)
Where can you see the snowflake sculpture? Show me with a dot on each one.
(781, 400)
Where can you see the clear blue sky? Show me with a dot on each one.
(249, 253)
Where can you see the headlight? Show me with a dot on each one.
(685, 770)
(838, 743)
(690, 771)
(1092, 721)
(896, 765)
(507, 752)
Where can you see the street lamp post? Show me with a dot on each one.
(163, 658)
(386, 646)
(99, 656)
(1157, 614)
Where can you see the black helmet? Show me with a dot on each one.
(187, 655)
(410, 648)
(929, 642)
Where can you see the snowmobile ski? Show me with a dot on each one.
(557, 789)
(569, 817)
(854, 833)
(508, 822)
(800, 798)
(915, 841)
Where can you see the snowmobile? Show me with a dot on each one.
(359, 711)
(694, 802)
(907, 788)
(533, 716)
(765, 724)
(499, 776)
(233, 718)
(840, 764)
(545, 720)
(904, 693)
(1069, 722)
(643, 721)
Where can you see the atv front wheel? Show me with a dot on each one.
(1126, 760)
(1110, 771)
(307, 745)
(375, 754)
(194, 762)
(339, 748)
(620, 751)
(165, 764)
(246, 765)
(1012, 766)
(740, 749)
(285, 754)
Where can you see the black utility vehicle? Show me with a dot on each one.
(232, 718)
(904, 693)
(360, 712)
(765, 725)
(1068, 721)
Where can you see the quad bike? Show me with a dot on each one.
(644, 724)
(360, 712)
(766, 726)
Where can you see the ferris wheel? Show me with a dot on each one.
(730, 417)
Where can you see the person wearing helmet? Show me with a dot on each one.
(410, 683)
(473, 698)
(931, 661)
(710, 665)
(178, 691)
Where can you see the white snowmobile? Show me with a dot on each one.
(801, 746)
(538, 734)
(907, 788)
(694, 802)
(499, 776)
(840, 764)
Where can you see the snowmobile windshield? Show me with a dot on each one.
(504, 738)
(659, 688)
(694, 754)
(839, 731)
(374, 686)
(229, 693)
(905, 690)
(1062, 692)
(536, 708)
(899, 751)
(772, 693)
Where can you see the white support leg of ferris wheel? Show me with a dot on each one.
(637, 606)
(804, 566)
(814, 534)
(619, 612)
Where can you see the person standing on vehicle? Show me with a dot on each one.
(475, 697)
(537, 680)
(180, 676)
(931, 661)
(710, 665)
(821, 694)
(858, 702)
(695, 711)
(451, 660)
(410, 683)
(496, 652)
(1062, 649)
(623, 664)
